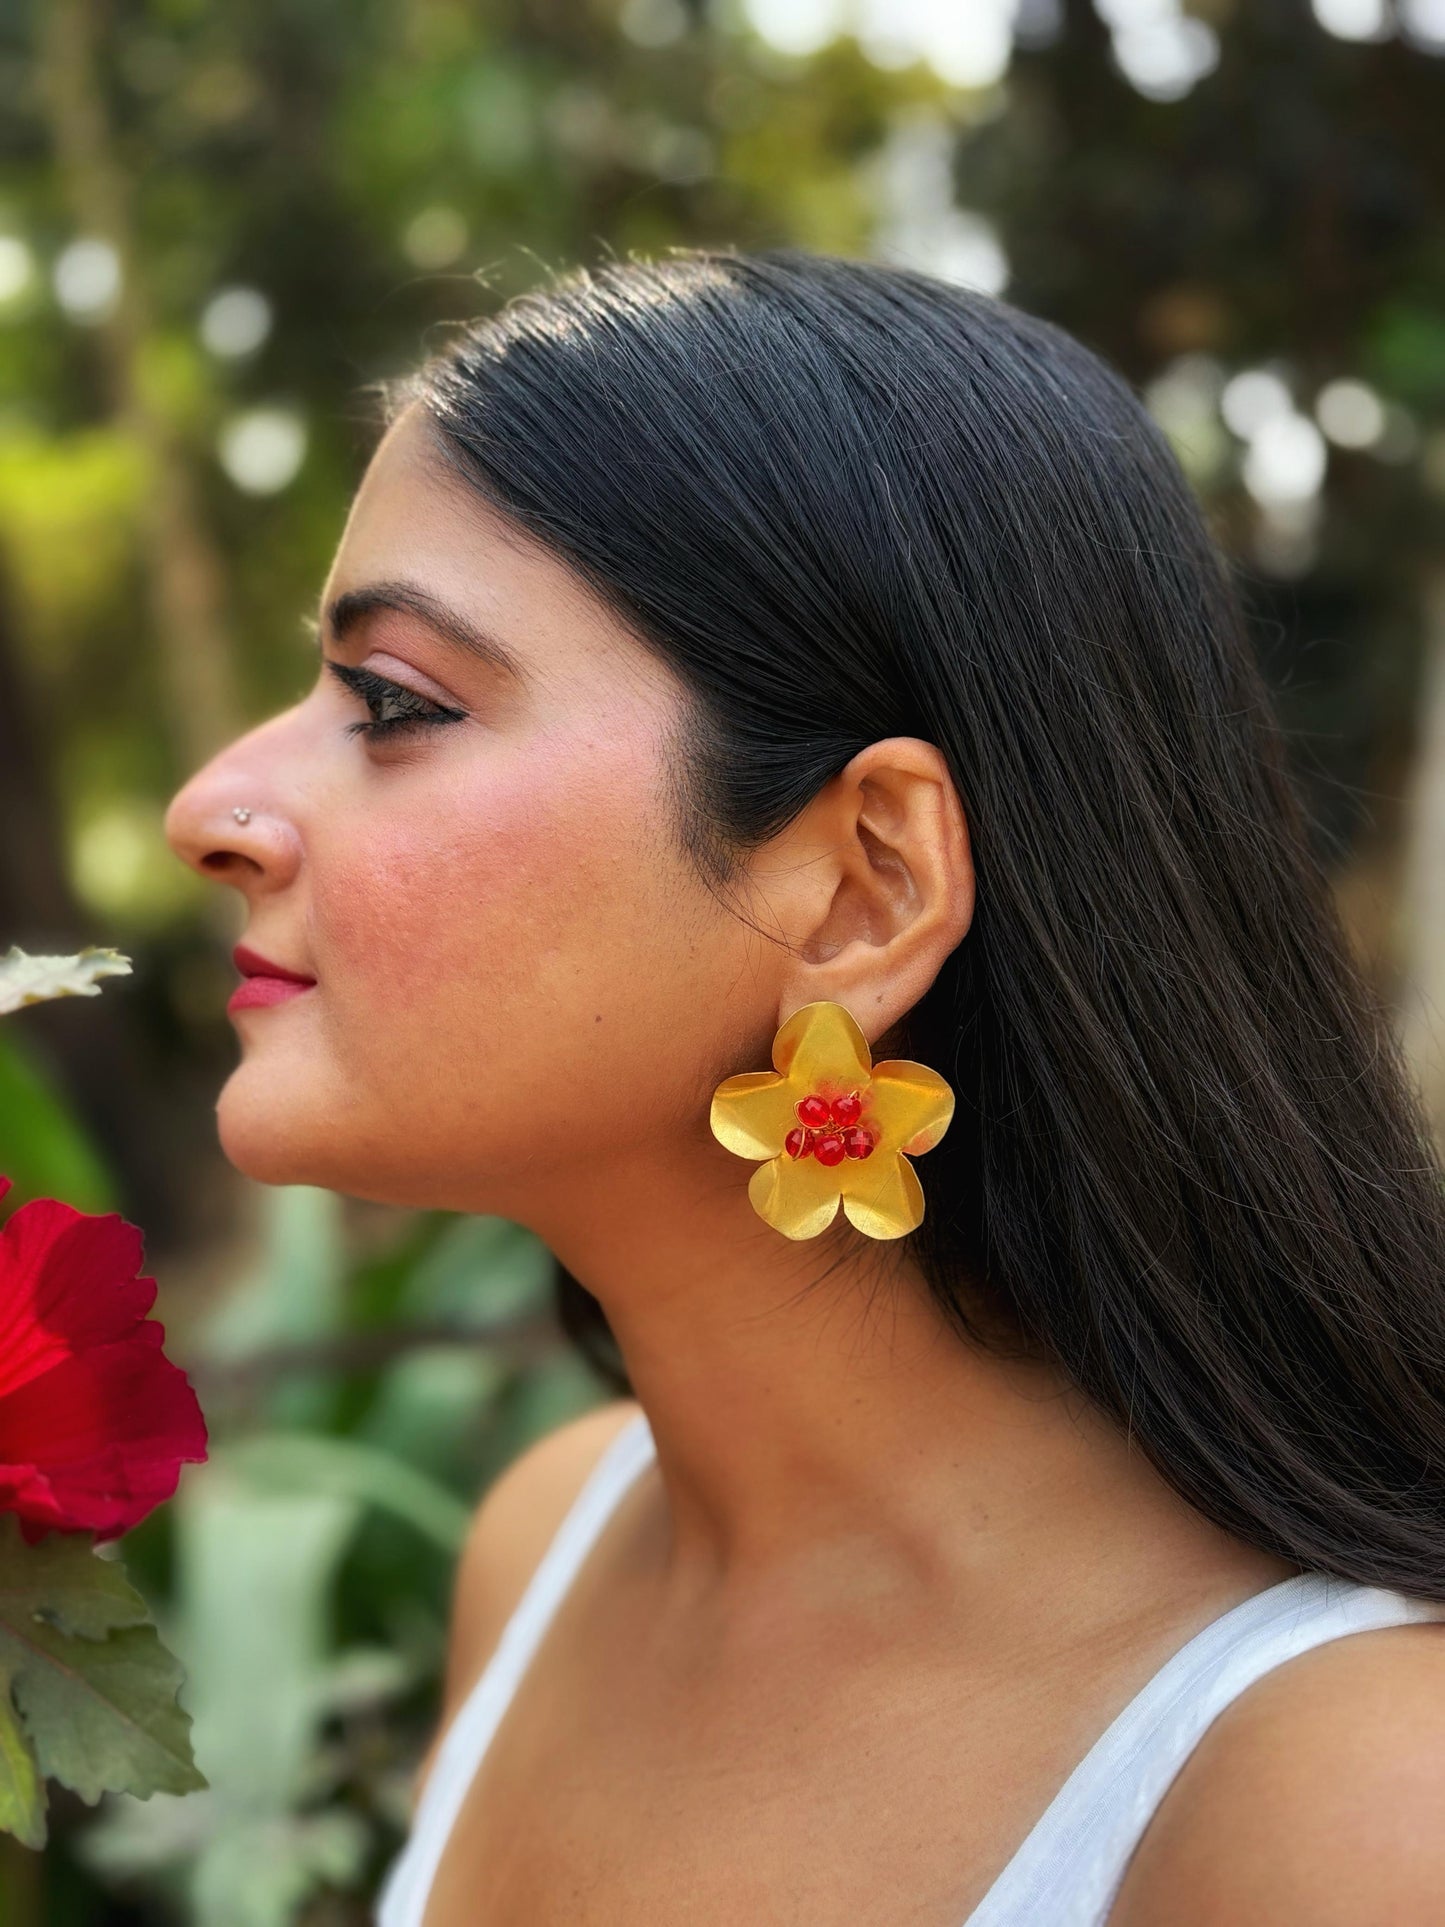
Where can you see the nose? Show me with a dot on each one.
(233, 821)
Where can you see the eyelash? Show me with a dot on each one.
(417, 712)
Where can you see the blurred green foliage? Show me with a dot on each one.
(46, 1153)
(359, 1393)
(217, 225)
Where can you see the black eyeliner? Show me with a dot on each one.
(416, 710)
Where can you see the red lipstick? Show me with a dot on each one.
(265, 982)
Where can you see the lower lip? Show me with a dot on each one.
(257, 991)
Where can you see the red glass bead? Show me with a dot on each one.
(847, 1110)
(828, 1147)
(858, 1143)
(797, 1144)
(812, 1110)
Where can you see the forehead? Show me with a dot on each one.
(414, 519)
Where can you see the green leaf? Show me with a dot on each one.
(297, 1293)
(255, 1573)
(478, 1271)
(33, 980)
(22, 1792)
(103, 1714)
(67, 1582)
(89, 1691)
(261, 1872)
(43, 1150)
(350, 1469)
(253, 1621)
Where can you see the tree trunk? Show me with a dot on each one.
(184, 570)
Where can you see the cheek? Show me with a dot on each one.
(502, 934)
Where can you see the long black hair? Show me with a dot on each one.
(844, 501)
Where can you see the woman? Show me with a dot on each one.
(717, 638)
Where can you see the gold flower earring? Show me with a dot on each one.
(833, 1125)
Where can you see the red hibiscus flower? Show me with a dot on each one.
(94, 1419)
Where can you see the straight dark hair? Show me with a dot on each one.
(843, 501)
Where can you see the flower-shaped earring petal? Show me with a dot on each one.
(833, 1125)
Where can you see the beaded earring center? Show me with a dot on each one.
(829, 1129)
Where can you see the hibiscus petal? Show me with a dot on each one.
(67, 1281)
(886, 1203)
(24, 1489)
(103, 1435)
(911, 1104)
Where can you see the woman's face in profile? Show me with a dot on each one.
(517, 973)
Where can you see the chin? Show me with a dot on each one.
(295, 1137)
(279, 1136)
(266, 1147)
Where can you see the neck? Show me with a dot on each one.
(835, 1430)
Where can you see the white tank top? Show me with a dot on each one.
(1070, 1865)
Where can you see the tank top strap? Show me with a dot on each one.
(1071, 1864)
(402, 1902)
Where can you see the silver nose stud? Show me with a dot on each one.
(241, 816)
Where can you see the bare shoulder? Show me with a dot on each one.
(1318, 1795)
(510, 1530)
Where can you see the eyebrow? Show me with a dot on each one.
(343, 614)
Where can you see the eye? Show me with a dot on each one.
(393, 708)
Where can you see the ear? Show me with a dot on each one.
(872, 885)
